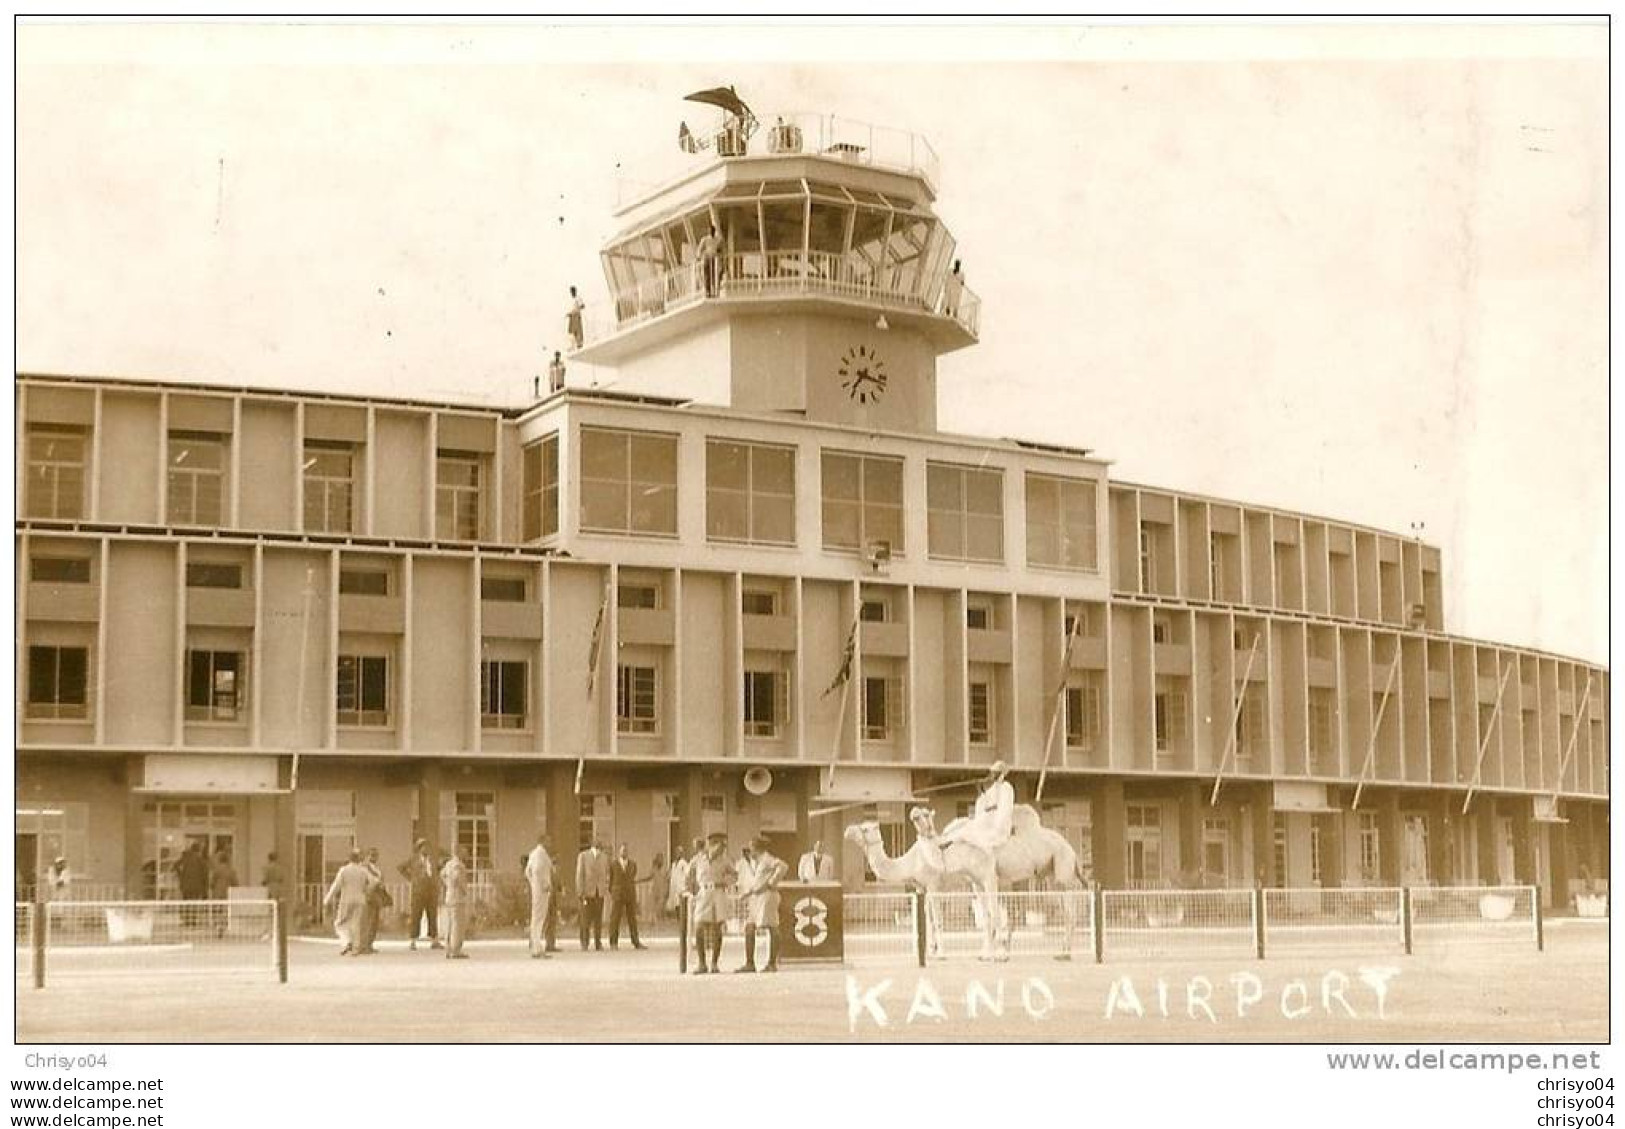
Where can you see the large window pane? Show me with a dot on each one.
(629, 482)
(966, 512)
(750, 492)
(863, 501)
(1061, 522)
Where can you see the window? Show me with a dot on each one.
(1370, 847)
(637, 700)
(965, 511)
(979, 616)
(645, 597)
(1215, 566)
(213, 574)
(1322, 722)
(1144, 840)
(874, 609)
(363, 582)
(56, 471)
(882, 708)
(750, 493)
(57, 682)
(216, 686)
(1147, 562)
(504, 589)
(980, 713)
(1314, 854)
(1083, 714)
(766, 704)
(363, 690)
(541, 473)
(863, 501)
(1084, 619)
(325, 822)
(1161, 630)
(59, 570)
(628, 482)
(1216, 848)
(329, 487)
(597, 822)
(473, 823)
(1418, 868)
(1169, 707)
(197, 477)
(1252, 724)
(758, 601)
(503, 694)
(1061, 522)
(459, 476)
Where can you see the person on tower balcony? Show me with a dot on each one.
(555, 374)
(572, 320)
(710, 252)
(990, 824)
(953, 291)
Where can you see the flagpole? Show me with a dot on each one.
(1060, 699)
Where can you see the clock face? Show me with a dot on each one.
(863, 374)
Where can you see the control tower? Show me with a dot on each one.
(797, 267)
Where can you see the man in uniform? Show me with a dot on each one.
(708, 880)
(539, 874)
(989, 826)
(761, 905)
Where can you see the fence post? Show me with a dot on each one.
(919, 925)
(1540, 921)
(1405, 917)
(682, 933)
(1097, 922)
(1258, 920)
(279, 911)
(38, 939)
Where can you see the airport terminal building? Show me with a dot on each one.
(298, 621)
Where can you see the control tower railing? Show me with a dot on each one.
(788, 134)
(777, 274)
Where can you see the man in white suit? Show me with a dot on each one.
(817, 865)
(349, 893)
(539, 873)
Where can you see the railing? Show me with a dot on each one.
(1031, 923)
(879, 926)
(1178, 923)
(790, 134)
(773, 274)
(1450, 915)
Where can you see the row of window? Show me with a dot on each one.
(629, 485)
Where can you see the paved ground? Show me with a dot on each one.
(1468, 994)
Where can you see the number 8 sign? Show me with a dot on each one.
(810, 922)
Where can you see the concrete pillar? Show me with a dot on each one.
(1525, 854)
(563, 816)
(1483, 815)
(1444, 825)
(1333, 847)
(690, 822)
(1260, 806)
(135, 883)
(1108, 830)
(1192, 805)
(1390, 837)
(427, 824)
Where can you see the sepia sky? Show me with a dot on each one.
(1359, 272)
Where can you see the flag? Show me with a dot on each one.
(597, 641)
(843, 675)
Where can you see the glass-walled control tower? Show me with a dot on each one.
(805, 273)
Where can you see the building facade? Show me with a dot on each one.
(279, 620)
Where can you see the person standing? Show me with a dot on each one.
(555, 374)
(817, 865)
(573, 320)
(222, 877)
(761, 905)
(419, 871)
(373, 908)
(708, 881)
(744, 871)
(539, 874)
(710, 252)
(192, 876)
(592, 884)
(623, 898)
(454, 902)
(272, 878)
(349, 894)
(953, 291)
(677, 881)
(659, 880)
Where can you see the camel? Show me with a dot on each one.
(1034, 852)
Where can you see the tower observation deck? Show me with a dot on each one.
(799, 269)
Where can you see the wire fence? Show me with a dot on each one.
(25, 941)
(1026, 923)
(1152, 924)
(1317, 920)
(1446, 916)
(879, 926)
(147, 939)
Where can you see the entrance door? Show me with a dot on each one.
(168, 827)
(1506, 859)
(1416, 850)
